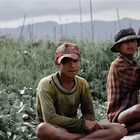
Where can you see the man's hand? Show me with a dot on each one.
(91, 126)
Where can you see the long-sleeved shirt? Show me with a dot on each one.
(123, 83)
(58, 106)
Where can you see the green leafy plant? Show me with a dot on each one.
(23, 64)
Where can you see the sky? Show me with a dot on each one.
(12, 12)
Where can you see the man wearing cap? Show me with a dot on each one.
(123, 81)
(59, 95)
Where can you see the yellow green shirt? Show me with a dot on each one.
(58, 106)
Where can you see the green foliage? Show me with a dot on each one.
(95, 62)
(24, 63)
(100, 109)
(17, 115)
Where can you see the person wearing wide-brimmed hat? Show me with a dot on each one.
(123, 81)
(59, 96)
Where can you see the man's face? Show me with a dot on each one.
(69, 67)
(128, 47)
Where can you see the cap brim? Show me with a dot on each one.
(115, 45)
(72, 56)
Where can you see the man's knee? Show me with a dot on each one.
(136, 110)
(41, 130)
(130, 115)
(46, 131)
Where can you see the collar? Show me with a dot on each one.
(130, 61)
(59, 86)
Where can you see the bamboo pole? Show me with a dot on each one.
(30, 32)
(118, 18)
(61, 30)
(22, 25)
(81, 22)
(66, 30)
(55, 34)
(92, 26)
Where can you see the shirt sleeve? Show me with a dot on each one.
(87, 107)
(130, 77)
(113, 94)
(121, 79)
(50, 115)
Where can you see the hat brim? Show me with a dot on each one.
(72, 56)
(138, 40)
(115, 45)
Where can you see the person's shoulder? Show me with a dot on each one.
(44, 82)
(118, 62)
(46, 79)
(81, 80)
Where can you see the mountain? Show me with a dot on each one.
(103, 30)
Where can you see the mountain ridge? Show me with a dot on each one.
(103, 30)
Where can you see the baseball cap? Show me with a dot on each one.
(69, 50)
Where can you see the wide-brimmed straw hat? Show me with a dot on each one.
(124, 35)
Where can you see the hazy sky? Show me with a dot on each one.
(63, 11)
